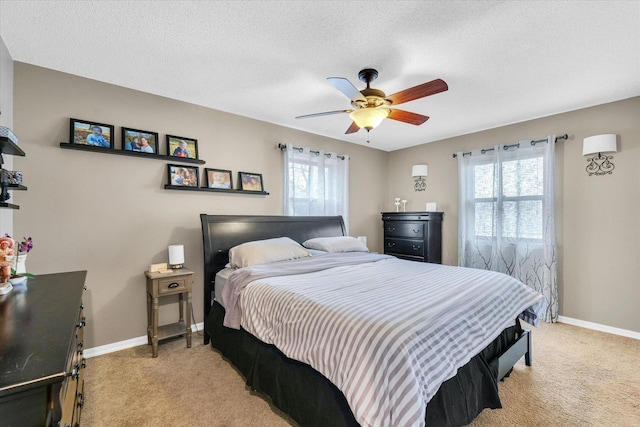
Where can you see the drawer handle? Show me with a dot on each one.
(391, 244)
(75, 372)
(391, 229)
(173, 285)
(416, 247)
(415, 231)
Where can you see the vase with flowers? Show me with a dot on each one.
(18, 268)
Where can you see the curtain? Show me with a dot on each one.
(316, 183)
(507, 215)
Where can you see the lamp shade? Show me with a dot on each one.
(176, 254)
(599, 144)
(419, 170)
(368, 118)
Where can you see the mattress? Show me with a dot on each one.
(221, 280)
(223, 275)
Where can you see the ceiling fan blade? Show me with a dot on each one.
(326, 113)
(347, 88)
(420, 91)
(407, 117)
(353, 128)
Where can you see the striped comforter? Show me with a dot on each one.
(387, 333)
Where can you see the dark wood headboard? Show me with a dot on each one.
(222, 232)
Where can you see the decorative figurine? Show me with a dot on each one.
(404, 206)
(6, 258)
(397, 204)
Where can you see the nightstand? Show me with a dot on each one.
(178, 282)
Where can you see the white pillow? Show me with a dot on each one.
(265, 251)
(336, 244)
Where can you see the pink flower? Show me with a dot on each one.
(25, 246)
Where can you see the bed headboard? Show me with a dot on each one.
(222, 232)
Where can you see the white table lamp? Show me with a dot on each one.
(176, 256)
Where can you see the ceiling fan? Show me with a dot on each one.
(371, 106)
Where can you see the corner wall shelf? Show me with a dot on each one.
(80, 147)
(7, 146)
(215, 190)
(16, 187)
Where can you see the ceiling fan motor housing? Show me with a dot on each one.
(375, 98)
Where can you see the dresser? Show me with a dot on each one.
(41, 361)
(416, 236)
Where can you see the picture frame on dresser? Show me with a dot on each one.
(250, 181)
(183, 176)
(140, 141)
(218, 178)
(178, 146)
(91, 133)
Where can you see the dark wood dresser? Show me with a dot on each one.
(416, 236)
(41, 360)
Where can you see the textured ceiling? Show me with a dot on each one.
(504, 61)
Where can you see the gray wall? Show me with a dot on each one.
(110, 214)
(598, 217)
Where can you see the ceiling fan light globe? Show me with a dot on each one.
(369, 118)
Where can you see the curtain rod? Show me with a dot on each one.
(533, 142)
(300, 149)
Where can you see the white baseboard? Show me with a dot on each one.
(134, 342)
(599, 327)
(122, 345)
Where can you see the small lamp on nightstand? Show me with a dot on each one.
(176, 256)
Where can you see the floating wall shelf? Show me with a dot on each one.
(103, 150)
(215, 190)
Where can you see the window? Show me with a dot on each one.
(506, 219)
(517, 197)
(316, 183)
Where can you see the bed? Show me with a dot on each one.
(304, 393)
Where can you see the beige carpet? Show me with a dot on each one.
(578, 378)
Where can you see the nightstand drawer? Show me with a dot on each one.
(404, 247)
(404, 229)
(172, 285)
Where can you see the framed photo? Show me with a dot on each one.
(91, 133)
(140, 141)
(250, 181)
(184, 176)
(218, 178)
(178, 146)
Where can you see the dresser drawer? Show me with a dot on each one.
(172, 285)
(404, 247)
(404, 229)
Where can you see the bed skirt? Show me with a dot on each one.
(313, 401)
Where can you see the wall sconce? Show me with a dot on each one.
(599, 165)
(419, 172)
(176, 256)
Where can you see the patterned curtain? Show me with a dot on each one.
(316, 183)
(507, 215)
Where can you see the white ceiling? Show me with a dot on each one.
(504, 61)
